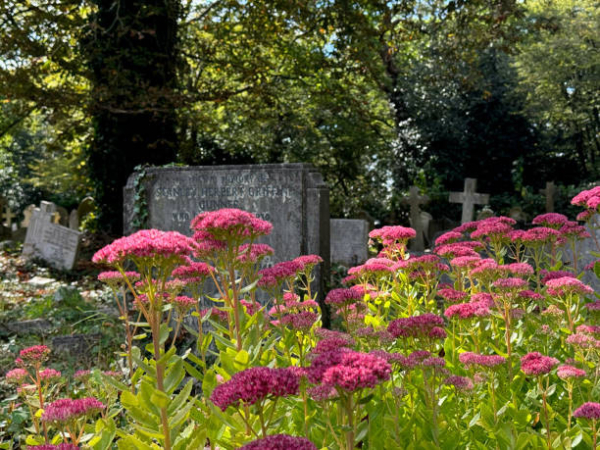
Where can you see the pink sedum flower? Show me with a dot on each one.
(35, 355)
(490, 361)
(452, 295)
(254, 252)
(422, 326)
(49, 375)
(509, 284)
(66, 409)
(342, 296)
(460, 383)
(16, 376)
(468, 310)
(568, 285)
(231, 224)
(255, 384)
(145, 244)
(553, 220)
(116, 279)
(280, 442)
(535, 363)
(589, 410)
(566, 371)
(357, 371)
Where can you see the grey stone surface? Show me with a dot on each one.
(79, 346)
(349, 241)
(293, 197)
(416, 218)
(584, 251)
(35, 326)
(56, 244)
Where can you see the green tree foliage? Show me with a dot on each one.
(559, 65)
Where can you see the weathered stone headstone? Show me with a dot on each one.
(54, 243)
(74, 220)
(414, 200)
(293, 197)
(78, 346)
(469, 198)
(549, 192)
(34, 326)
(585, 257)
(349, 241)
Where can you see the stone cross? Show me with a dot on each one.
(549, 193)
(27, 213)
(469, 198)
(7, 217)
(414, 200)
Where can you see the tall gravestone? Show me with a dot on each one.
(293, 197)
(56, 244)
(349, 241)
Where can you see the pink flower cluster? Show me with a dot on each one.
(301, 321)
(547, 276)
(390, 235)
(342, 296)
(255, 384)
(535, 363)
(277, 274)
(145, 244)
(280, 442)
(48, 375)
(307, 262)
(193, 271)
(540, 235)
(67, 409)
(424, 326)
(589, 410)
(16, 376)
(589, 199)
(35, 355)
(230, 224)
(460, 383)
(568, 285)
(373, 266)
(469, 358)
(448, 238)
(349, 370)
(566, 371)
(552, 220)
(115, 279)
(509, 284)
(468, 310)
(62, 446)
(452, 295)
(254, 252)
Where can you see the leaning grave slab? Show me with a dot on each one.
(293, 197)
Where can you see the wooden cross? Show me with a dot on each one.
(7, 217)
(414, 200)
(469, 198)
(549, 193)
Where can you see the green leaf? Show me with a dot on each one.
(164, 333)
(160, 399)
(180, 398)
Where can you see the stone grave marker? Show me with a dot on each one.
(585, 257)
(416, 219)
(74, 220)
(56, 244)
(469, 198)
(7, 216)
(549, 192)
(293, 197)
(79, 346)
(35, 326)
(349, 241)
